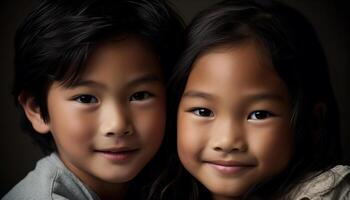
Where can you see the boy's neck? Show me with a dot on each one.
(107, 191)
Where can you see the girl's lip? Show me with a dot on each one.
(230, 163)
(229, 167)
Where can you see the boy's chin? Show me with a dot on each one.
(119, 178)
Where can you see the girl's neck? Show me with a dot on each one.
(219, 197)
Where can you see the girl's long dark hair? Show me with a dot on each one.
(297, 56)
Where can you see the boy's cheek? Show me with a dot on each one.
(75, 126)
(150, 123)
(150, 119)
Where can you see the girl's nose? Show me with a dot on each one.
(228, 137)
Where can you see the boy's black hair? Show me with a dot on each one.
(55, 40)
(291, 43)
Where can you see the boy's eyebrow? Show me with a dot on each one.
(144, 79)
(139, 80)
(87, 83)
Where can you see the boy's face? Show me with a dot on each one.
(111, 123)
(234, 121)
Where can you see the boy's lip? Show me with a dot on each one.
(116, 149)
(117, 154)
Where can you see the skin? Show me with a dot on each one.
(112, 108)
(234, 120)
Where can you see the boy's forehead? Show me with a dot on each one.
(126, 55)
(124, 49)
(125, 40)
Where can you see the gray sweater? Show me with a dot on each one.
(50, 180)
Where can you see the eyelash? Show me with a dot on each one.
(140, 96)
(263, 115)
(90, 99)
(256, 115)
(202, 112)
(86, 99)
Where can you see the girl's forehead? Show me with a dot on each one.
(258, 50)
(247, 55)
(242, 69)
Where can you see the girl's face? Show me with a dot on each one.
(234, 121)
(111, 123)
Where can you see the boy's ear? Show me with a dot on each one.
(32, 112)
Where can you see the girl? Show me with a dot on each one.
(256, 115)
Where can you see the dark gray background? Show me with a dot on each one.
(18, 154)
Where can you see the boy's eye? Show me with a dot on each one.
(260, 115)
(86, 99)
(139, 96)
(202, 112)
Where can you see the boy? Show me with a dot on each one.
(90, 78)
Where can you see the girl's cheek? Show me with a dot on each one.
(273, 147)
(189, 137)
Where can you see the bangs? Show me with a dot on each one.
(72, 66)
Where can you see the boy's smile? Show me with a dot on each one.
(118, 154)
(110, 123)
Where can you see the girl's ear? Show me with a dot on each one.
(32, 112)
(320, 110)
(319, 113)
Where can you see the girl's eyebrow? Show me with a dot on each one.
(260, 96)
(265, 96)
(197, 94)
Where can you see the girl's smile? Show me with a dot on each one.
(234, 120)
(231, 167)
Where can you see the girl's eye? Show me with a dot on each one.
(139, 96)
(202, 112)
(260, 115)
(86, 99)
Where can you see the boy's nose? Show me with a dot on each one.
(116, 122)
(228, 137)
